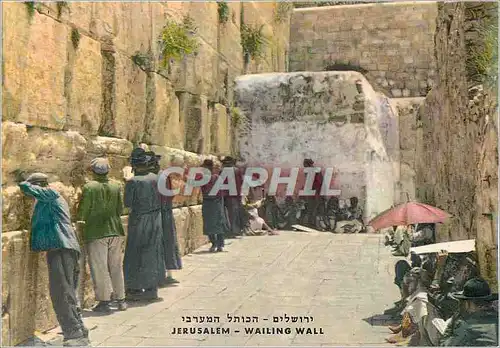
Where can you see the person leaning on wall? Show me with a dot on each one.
(53, 232)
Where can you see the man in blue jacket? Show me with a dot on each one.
(52, 231)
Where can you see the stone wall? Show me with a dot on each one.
(457, 161)
(322, 115)
(82, 80)
(407, 110)
(391, 43)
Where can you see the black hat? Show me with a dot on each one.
(475, 289)
(309, 162)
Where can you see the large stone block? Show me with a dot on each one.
(130, 99)
(134, 26)
(33, 149)
(195, 118)
(85, 90)
(35, 57)
(221, 130)
(25, 289)
(189, 225)
(163, 126)
(205, 16)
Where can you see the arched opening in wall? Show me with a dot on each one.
(339, 66)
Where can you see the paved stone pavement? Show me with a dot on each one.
(341, 281)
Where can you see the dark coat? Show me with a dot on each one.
(143, 264)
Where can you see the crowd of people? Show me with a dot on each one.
(444, 301)
(123, 269)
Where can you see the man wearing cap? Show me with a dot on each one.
(100, 207)
(52, 231)
(476, 323)
(143, 264)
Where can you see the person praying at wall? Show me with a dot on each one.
(52, 231)
(100, 207)
(312, 202)
(215, 224)
(144, 263)
(171, 248)
(232, 201)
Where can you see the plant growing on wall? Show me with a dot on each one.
(482, 47)
(282, 11)
(252, 42)
(177, 40)
(61, 5)
(75, 37)
(224, 12)
(30, 8)
(236, 116)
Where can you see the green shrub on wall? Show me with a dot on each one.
(282, 11)
(30, 8)
(482, 56)
(177, 40)
(61, 5)
(252, 41)
(224, 12)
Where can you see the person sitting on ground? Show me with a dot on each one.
(476, 323)
(412, 328)
(402, 241)
(423, 235)
(255, 222)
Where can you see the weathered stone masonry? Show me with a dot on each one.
(72, 91)
(391, 43)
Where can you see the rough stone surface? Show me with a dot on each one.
(345, 288)
(34, 64)
(85, 86)
(407, 110)
(457, 170)
(390, 41)
(322, 115)
(34, 149)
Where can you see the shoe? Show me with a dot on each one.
(212, 249)
(220, 249)
(122, 305)
(171, 280)
(77, 342)
(102, 307)
(395, 329)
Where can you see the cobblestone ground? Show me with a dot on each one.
(344, 282)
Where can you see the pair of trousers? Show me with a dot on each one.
(106, 267)
(217, 240)
(312, 204)
(64, 272)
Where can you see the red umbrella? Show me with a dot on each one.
(408, 214)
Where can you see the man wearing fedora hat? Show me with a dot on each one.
(476, 323)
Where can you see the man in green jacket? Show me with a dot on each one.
(100, 208)
(477, 322)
